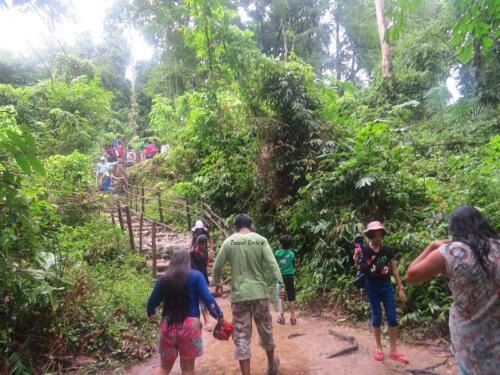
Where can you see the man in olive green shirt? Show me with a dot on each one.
(251, 260)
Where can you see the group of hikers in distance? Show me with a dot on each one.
(470, 260)
(137, 151)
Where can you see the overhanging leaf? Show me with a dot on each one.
(36, 164)
(23, 163)
(365, 181)
(465, 54)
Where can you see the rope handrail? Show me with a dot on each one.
(82, 204)
(151, 220)
(156, 198)
(220, 223)
(174, 199)
(157, 190)
(205, 212)
(204, 208)
(145, 187)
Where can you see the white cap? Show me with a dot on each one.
(103, 158)
(197, 225)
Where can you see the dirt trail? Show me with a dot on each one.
(306, 354)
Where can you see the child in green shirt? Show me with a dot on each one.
(286, 262)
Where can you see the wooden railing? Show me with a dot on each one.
(150, 200)
(175, 203)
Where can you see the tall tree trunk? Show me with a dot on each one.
(285, 41)
(338, 63)
(386, 66)
(207, 13)
(478, 83)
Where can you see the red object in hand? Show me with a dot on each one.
(223, 331)
(357, 249)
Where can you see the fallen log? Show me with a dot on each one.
(428, 370)
(353, 347)
(293, 335)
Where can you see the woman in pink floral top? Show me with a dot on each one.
(471, 262)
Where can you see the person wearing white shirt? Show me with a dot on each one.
(102, 168)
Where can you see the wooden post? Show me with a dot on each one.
(112, 218)
(120, 217)
(153, 248)
(142, 198)
(141, 226)
(159, 206)
(136, 198)
(129, 224)
(188, 215)
(124, 152)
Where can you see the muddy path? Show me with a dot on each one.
(305, 353)
(303, 349)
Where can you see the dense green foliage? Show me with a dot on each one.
(63, 116)
(319, 158)
(69, 283)
(272, 107)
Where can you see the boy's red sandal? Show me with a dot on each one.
(399, 357)
(378, 355)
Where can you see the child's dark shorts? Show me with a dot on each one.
(288, 280)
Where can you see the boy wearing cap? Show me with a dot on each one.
(285, 257)
(379, 264)
(198, 230)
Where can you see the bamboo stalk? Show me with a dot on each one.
(136, 195)
(120, 217)
(142, 199)
(188, 215)
(153, 249)
(129, 224)
(141, 226)
(159, 206)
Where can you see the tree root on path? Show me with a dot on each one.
(353, 347)
(293, 335)
(428, 370)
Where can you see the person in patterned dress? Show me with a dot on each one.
(471, 263)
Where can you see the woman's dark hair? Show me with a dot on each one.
(371, 234)
(285, 241)
(469, 226)
(242, 221)
(201, 239)
(175, 285)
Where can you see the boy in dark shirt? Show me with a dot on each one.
(199, 261)
(199, 229)
(286, 262)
